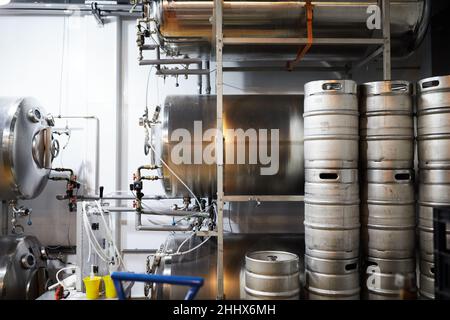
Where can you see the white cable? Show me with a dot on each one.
(185, 240)
(109, 234)
(60, 270)
(91, 237)
(176, 176)
(190, 250)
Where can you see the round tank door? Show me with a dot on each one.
(26, 148)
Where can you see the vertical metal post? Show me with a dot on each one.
(4, 212)
(386, 16)
(218, 6)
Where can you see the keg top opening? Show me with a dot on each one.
(271, 256)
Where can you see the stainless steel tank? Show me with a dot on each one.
(249, 112)
(434, 187)
(331, 124)
(184, 27)
(272, 275)
(380, 277)
(387, 125)
(332, 279)
(433, 123)
(426, 279)
(388, 214)
(25, 140)
(23, 268)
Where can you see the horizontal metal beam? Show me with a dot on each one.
(296, 69)
(274, 198)
(182, 72)
(301, 41)
(68, 9)
(169, 61)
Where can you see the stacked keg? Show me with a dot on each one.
(387, 189)
(331, 190)
(433, 129)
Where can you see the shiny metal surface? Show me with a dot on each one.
(261, 112)
(433, 119)
(388, 214)
(387, 125)
(272, 275)
(380, 277)
(25, 140)
(23, 268)
(426, 285)
(202, 262)
(332, 279)
(331, 124)
(184, 27)
(434, 187)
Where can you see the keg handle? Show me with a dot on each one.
(402, 176)
(329, 176)
(430, 84)
(395, 87)
(332, 86)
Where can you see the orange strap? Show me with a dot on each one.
(309, 27)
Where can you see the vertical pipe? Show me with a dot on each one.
(200, 79)
(119, 124)
(218, 6)
(386, 12)
(208, 78)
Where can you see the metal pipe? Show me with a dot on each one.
(181, 72)
(386, 15)
(169, 61)
(97, 144)
(174, 213)
(208, 78)
(68, 9)
(200, 79)
(139, 251)
(95, 197)
(140, 227)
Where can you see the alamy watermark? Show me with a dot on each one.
(255, 147)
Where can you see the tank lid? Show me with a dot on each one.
(271, 256)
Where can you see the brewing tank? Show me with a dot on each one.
(276, 122)
(25, 140)
(184, 27)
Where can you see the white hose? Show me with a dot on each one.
(185, 240)
(109, 234)
(91, 237)
(60, 270)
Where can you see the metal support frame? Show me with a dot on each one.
(218, 25)
(386, 16)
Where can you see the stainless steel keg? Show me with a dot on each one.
(272, 275)
(331, 124)
(387, 125)
(388, 214)
(385, 278)
(327, 279)
(433, 122)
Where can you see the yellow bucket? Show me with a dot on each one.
(110, 289)
(92, 287)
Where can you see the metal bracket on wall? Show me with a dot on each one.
(97, 13)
